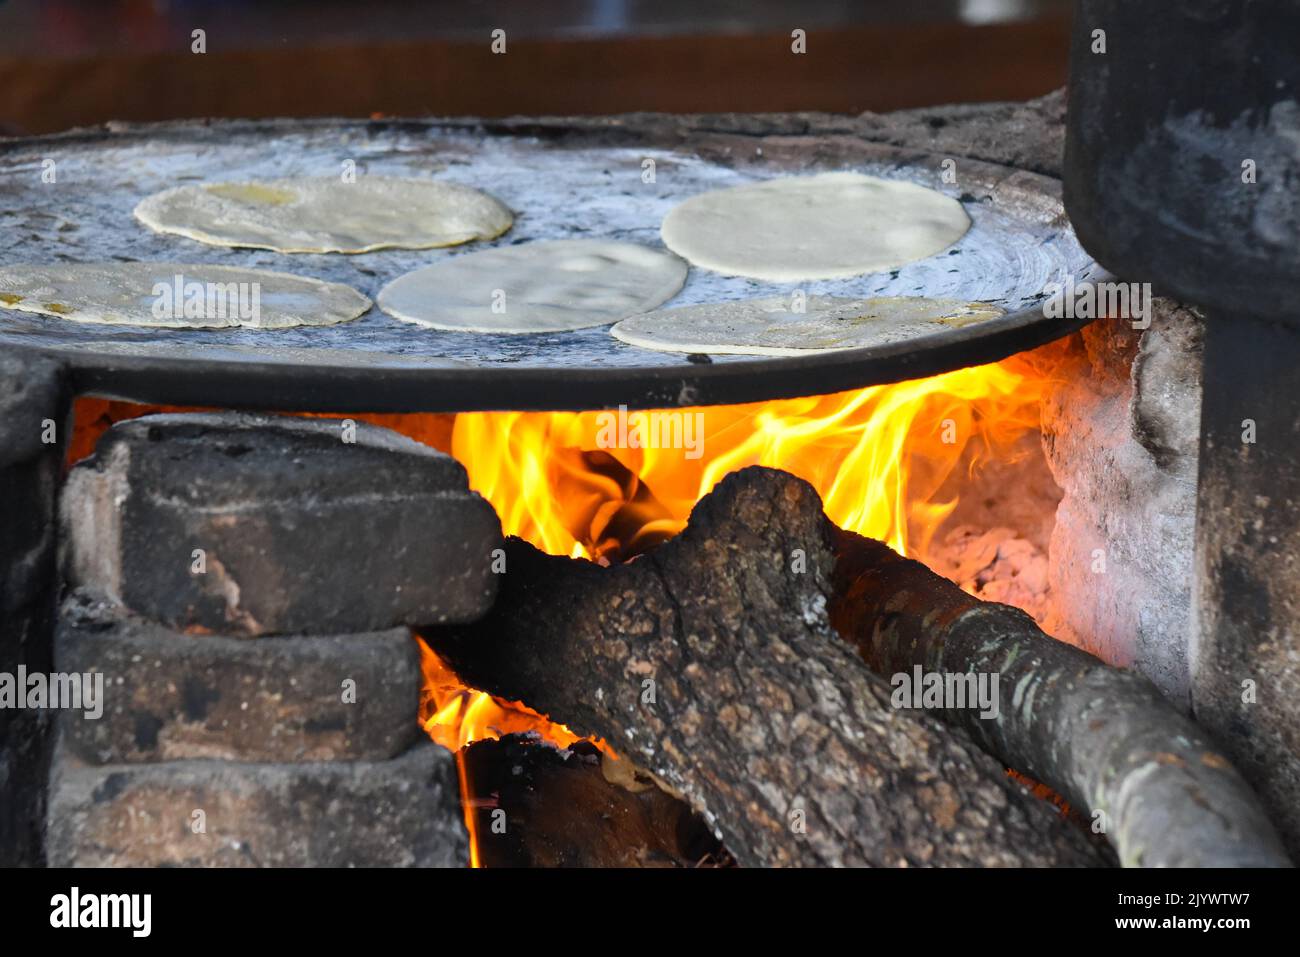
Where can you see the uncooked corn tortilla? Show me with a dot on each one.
(550, 286)
(774, 327)
(177, 296)
(829, 226)
(326, 214)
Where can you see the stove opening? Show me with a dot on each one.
(949, 470)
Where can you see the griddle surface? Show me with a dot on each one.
(586, 183)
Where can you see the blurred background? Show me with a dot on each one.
(66, 63)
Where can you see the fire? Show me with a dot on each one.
(879, 457)
(594, 485)
(606, 486)
(455, 715)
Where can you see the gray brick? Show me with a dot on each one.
(404, 812)
(171, 696)
(33, 394)
(301, 532)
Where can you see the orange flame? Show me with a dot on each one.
(878, 457)
(455, 715)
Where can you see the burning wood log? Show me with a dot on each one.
(711, 662)
(1103, 738)
(536, 805)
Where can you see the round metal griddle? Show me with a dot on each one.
(583, 179)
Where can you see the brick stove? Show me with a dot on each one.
(280, 701)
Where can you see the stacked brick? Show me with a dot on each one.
(246, 586)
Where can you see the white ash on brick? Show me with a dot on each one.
(255, 525)
(170, 696)
(1121, 433)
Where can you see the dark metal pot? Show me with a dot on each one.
(1187, 103)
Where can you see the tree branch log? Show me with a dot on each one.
(1103, 738)
(711, 662)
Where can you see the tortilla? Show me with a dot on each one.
(177, 296)
(770, 326)
(829, 226)
(327, 215)
(551, 286)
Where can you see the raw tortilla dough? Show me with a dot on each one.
(127, 293)
(829, 226)
(327, 215)
(548, 287)
(769, 327)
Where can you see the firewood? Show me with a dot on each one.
(1102, 737)
(538, 806)
(711, 662)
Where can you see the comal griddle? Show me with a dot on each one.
(602, 178)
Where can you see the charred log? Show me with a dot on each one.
(1102, 737)
(711, 662)
(538, 806)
